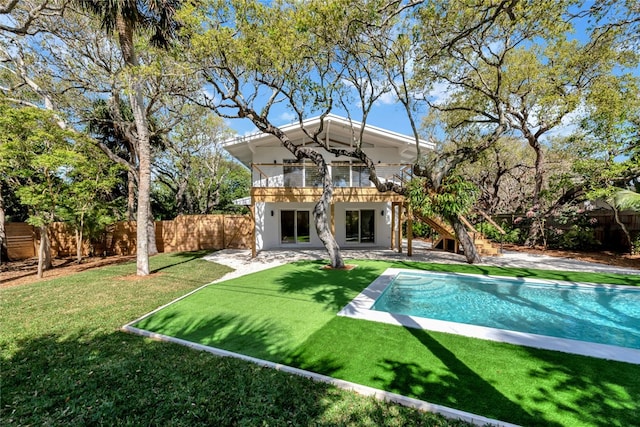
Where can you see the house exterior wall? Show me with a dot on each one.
(269, 230)
(280, 202)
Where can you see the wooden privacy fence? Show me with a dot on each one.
(21, 240)
(184, 233)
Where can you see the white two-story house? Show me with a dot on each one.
(285, 190)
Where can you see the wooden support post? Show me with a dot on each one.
(254, 251)
(400, 207)
(393, 225)
(409, 231)
(333, 219)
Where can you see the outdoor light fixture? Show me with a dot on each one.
(275, 161)
(381, 213)
(271, 213)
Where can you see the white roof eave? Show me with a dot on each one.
(242, 147)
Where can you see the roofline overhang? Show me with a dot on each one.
(405, 143)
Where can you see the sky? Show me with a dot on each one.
(387, 115)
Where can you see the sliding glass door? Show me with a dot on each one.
(294, 226)
(360, 226)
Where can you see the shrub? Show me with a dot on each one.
(512, 234)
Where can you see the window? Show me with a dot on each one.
(312, 175)
(299, 173)
(350, 175)
(360, 176)
(340, 175)
(293, 173)
(294, 227)
(360, 226)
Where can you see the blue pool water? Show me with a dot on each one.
(593, 313)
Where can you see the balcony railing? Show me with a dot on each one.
(343, 174)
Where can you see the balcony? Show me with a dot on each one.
(296, 175)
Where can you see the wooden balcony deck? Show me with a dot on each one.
(312, 194)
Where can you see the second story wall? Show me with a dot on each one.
(277, 167)
(279, 154)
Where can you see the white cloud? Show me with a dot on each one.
(440, 92)
(287, 117)
(387, 98)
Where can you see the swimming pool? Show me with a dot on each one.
(595, 320)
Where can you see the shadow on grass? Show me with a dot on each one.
(578, 390)
(235, 333)
(177, 258)
(595, 391)
(462, 384)
(117, 378)
(332, 288)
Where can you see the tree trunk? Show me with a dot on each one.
(79, 244)
(320, 211)
(79, 238)
(44, 252)
(625, 231)
(136, 99)
(144, 183)
(181, 197)
(4, 255)
(537, 228)
(131, 196)
(151, 224)
(321, 218)
(470, 250)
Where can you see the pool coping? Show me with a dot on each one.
(359, 308)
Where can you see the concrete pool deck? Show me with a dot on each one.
(241, 261)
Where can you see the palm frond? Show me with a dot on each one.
(627, 199)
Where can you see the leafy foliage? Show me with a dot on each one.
(512, 234)
(55, 172)
(454, 197)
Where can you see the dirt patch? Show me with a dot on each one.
(25, 271)
(346, 267)
(603, 257)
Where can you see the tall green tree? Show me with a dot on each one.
(126, 18)
(85, 200)
(34, 151)
(528, 75)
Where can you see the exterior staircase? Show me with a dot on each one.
(448, 241)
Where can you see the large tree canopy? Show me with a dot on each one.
(482, 80)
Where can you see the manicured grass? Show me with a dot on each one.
(288, 315)
(64, 362)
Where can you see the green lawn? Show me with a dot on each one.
(63, 361)
(288, 315)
